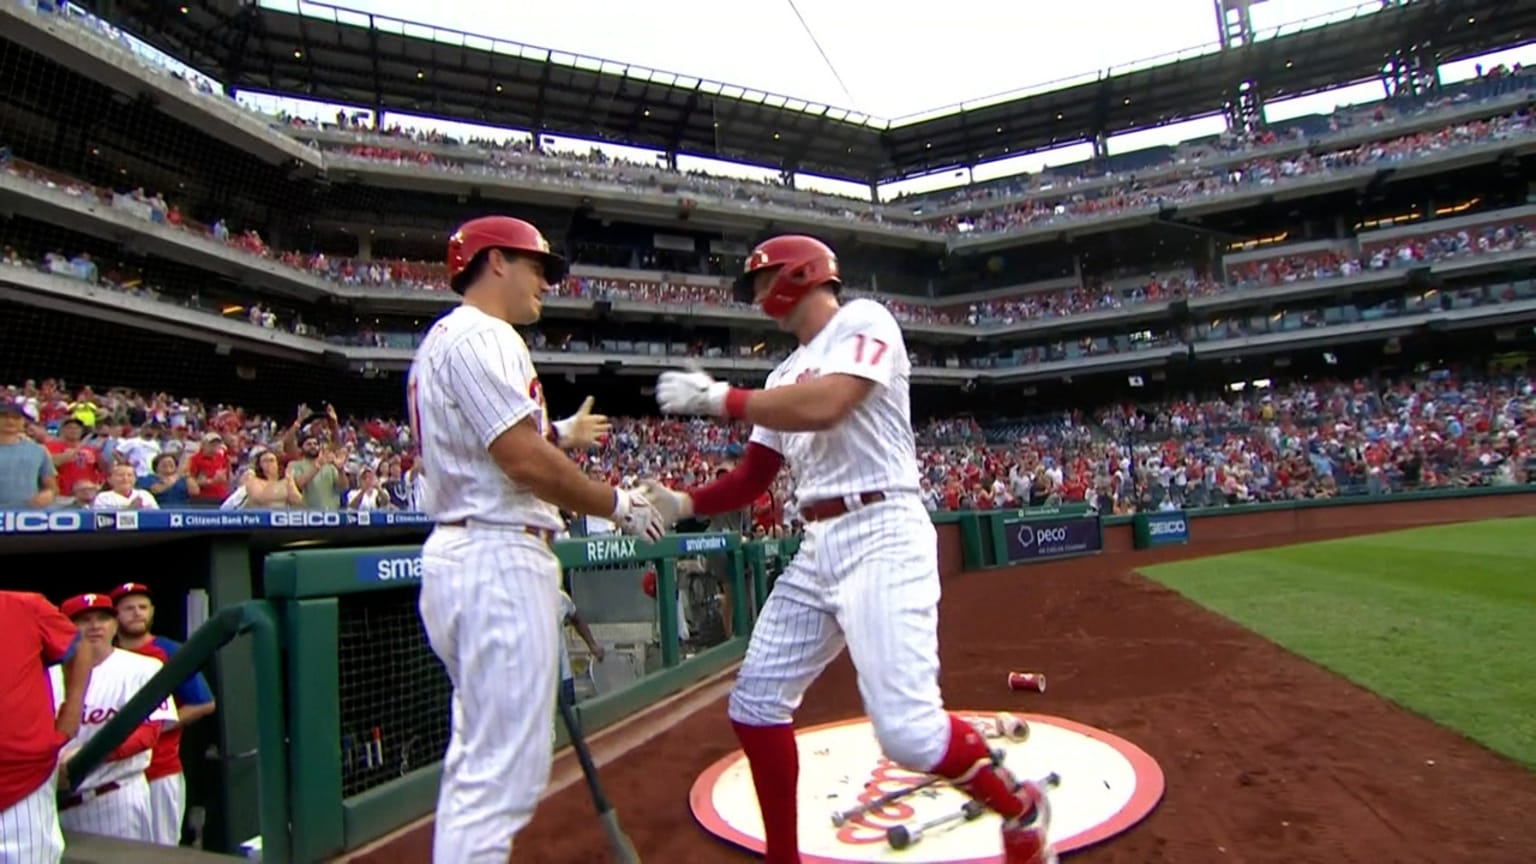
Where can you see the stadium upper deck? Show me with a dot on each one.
(1172, 185)
(354, 58)
(1108, 320)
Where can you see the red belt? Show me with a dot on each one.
(545, 534)
(81, 797)
(829, 508)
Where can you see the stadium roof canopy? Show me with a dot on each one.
(356, 58)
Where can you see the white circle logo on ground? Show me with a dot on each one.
(1107, 785)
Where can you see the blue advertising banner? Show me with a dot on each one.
(88, 521)
(1163, 529)
(1041, 539)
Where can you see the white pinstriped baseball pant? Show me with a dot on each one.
(167, 804)
(123, 812)
(868, 579)
(491, 605)
(29, 829)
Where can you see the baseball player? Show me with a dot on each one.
(167, 788)
(838, 410)
(34, 634)
(570, 617)
(493, 479)
(113, 800)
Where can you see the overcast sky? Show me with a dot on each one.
(880, 59)
(896, 58)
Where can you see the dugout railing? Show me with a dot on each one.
(368, 705)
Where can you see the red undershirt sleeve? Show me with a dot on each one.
(750, 478)
(142, 739)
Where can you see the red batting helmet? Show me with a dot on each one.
(804, 263)
(499, 232)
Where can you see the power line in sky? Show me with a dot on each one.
(852, 103)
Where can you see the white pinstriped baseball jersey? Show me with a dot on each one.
(873, 449)
(473, 379)
(113, 682)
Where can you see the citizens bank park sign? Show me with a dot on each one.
(1107, 785)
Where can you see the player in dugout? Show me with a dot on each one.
(194, 701)
(113, 799)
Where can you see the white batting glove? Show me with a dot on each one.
(691, 392)
(670, 505)
(635, 516)
(582, 429)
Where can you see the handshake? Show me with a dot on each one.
(649, 511)
(652, 509)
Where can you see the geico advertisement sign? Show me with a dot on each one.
(1159, 528)
(42, 521)
(306, 519)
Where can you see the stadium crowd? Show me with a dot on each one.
(1117, 190)
(1498, 233)
(1311, 441)
(118, 448)
(1118, 181)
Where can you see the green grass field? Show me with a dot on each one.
(1396, 612)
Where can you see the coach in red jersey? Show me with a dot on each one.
(167, 787)
(33, 634)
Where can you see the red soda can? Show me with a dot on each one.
(1027, 681)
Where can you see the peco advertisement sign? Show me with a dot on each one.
(1041, 539)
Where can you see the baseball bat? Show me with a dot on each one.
(842, 817)
(903, 836)
(619, 844)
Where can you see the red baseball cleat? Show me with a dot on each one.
(1024, 839)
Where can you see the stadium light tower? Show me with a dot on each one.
(1245, 111)
(1412, 69)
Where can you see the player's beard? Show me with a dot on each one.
(132, 631)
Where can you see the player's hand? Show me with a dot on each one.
(691, 392)
(670, 506)
(598, 653)
(635, 516)
(583, 429)
(61, 771)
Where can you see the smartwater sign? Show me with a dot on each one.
(1040, 539)
(400, 567)
(1150, 530)
(708, 543)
